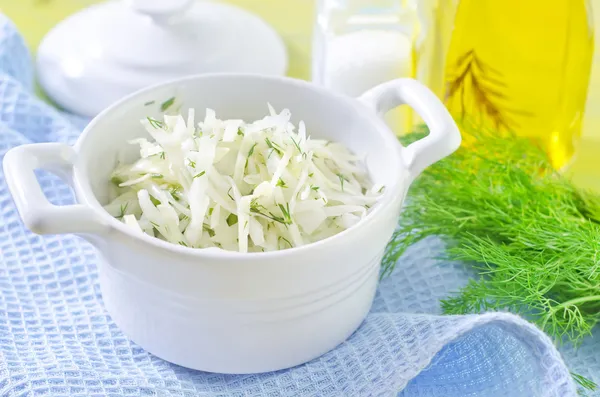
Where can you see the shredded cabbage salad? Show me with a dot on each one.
(243, 187)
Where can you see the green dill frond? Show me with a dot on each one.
(531, 235)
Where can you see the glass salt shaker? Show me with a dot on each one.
(358, 44)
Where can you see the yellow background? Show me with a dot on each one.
(293, 19)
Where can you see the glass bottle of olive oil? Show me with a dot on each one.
(522, 66)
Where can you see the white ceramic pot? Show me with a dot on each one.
(221, 311)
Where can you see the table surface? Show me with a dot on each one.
(35, 17)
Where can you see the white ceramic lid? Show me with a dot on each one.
(109, 50)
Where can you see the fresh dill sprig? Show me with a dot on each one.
(297, 145)
(285, 240)
(258, 209)
(167, 104)
(286, 213)
(155, 123)
(342, 179)
(175, 190)
(211, 232)
(250, 153)
(585, 383)
(123, 210)
(274, 147)
(530, 234)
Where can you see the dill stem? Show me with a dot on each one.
(530, 235)
(564, 305)
(574, 302)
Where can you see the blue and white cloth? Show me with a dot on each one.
(56, 338)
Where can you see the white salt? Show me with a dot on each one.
(360, 60)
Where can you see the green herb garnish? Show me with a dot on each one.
(584, 382)
(273, 146)
(155, 123)
(157, 176)
(174, 190)
(210, 231)
(191, 163)
(183, 243)
(232, 219)
(286, 213)
(281, 183)
(262, 211)
(123, 210)
(342, 179)
(250, 152)
(240, 132)
(286, 240)
(116, 180)
(154, 201)
(198, 175)
(297, 145)
(167, 104)
(149, 103)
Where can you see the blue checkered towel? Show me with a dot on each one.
(56, 339)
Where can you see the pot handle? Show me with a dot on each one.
(444, 137)
(37, 213)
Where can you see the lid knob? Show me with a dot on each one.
(160, 10)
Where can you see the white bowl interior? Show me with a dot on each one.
(327, 116)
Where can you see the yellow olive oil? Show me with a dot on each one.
(522, 66)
